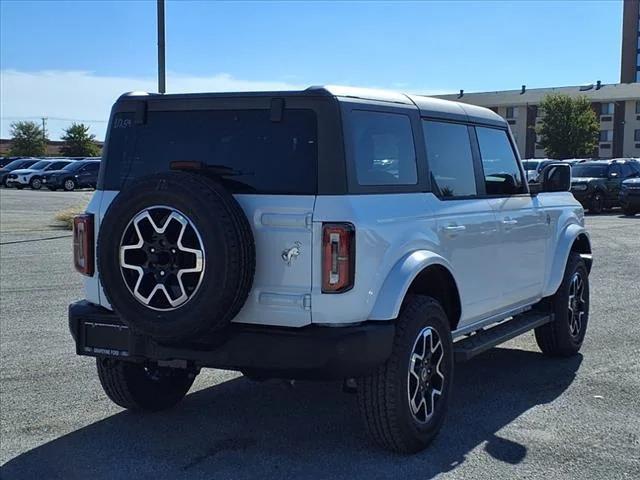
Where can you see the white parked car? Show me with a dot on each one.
(32, 176)
(328, 233)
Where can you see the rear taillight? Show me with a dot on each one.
(338, 257)
(83, 243)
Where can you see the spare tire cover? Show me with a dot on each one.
(176, 256)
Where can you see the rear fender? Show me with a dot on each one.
(399, 280)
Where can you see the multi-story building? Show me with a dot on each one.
(630, 64)
(617, 106)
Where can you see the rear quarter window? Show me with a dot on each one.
(265, 156)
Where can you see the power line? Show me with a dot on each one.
(55, 118)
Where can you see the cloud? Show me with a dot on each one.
(67, 96)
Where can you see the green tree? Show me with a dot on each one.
(27, 140)
(78, 142)
(569, 127)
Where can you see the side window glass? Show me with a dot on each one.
(626, 170)
(450, 159)
(383, 148)
(502, 175)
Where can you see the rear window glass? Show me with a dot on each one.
(582, 170)
(263, 156)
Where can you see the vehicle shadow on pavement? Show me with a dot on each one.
(240, 429)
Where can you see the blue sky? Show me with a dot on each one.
(69, 60)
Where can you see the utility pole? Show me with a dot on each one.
(161, 55)
(44, 129)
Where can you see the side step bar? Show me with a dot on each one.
(488, 338)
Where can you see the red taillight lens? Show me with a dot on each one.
(83, 243)
(338, 257)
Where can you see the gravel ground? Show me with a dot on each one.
(515, 413)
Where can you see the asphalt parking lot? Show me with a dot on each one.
(515, 413)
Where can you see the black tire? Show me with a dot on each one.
(69, 184)
(596, 203)
(140, 388)
(628, 211)
(561, 337)
(228, 256)
(384, 396)
(35, 183)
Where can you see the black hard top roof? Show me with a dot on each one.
(428, 106)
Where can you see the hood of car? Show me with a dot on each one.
(51, 173)
(24, 171)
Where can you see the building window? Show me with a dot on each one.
(606, 135)
(512, 112)
(607, 109)
(636, 135)
(638, 106)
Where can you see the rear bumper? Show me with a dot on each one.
(312, 352)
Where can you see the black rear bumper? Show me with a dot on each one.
(311, 352)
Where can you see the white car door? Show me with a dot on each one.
(466, 223)
(523, 224)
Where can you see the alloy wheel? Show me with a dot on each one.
(577, 304)
(425, 380)
(162, 258)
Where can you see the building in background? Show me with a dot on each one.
(630, 61)
(617, 107)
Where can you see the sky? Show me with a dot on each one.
(69, 60)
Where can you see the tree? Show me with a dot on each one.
(27, 140)
(78, 142)
(569, 127)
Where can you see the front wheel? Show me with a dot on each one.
(570, 307)
(404, 402)
(140, 387)
(35, 183)
(597, 203)
(69, 184)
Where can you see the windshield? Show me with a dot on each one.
(599, 171)
(74, 166)
(530, 164)
(40, 165)
(15, 164)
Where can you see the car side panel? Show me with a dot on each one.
(388, 227)
(566, 222)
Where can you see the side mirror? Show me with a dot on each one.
(555, 177)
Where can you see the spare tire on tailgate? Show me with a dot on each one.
(176, 256)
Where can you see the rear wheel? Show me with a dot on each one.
(629, 211)
(596, 204)
(69, 184)
(570, 307)
(140, 387)
(404, 402)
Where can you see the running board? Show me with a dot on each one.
(486, 339)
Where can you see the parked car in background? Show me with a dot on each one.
(80, 174)
(15, 165)
(32, 176)
(596, 184)
(533, 167)
(630, 196)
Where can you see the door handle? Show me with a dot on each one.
(454, 228)
(509, 221)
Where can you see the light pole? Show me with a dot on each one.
(161, 55)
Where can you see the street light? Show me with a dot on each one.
(161, 56)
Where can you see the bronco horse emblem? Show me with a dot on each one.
(290, 254)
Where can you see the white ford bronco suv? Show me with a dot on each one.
(330, 233)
